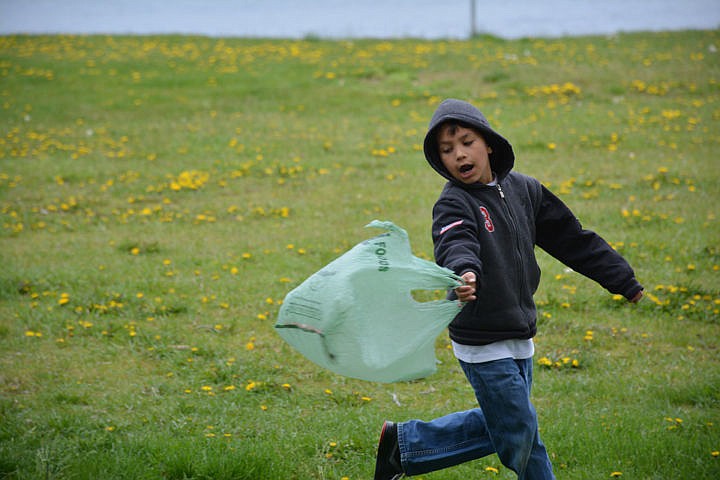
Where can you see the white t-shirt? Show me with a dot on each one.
(513, 348)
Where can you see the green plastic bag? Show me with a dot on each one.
(357, 316)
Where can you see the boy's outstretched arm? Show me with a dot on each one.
(560, 234)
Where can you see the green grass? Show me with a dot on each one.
(159, 196)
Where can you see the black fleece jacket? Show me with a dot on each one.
(493, 230)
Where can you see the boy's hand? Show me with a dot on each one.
(638, 296)
(466, 293)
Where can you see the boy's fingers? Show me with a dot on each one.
(466, 293)
(468, 298)
(469, 277)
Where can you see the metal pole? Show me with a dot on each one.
(473, 30)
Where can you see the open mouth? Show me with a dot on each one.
(465, 168)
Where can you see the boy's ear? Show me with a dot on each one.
(489, 149)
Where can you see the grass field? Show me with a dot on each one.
(159, 196)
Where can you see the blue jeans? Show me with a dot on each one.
(505, 423)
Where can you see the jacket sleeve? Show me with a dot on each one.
(560, 233)
(454, 233)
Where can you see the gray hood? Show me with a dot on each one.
(502, 157)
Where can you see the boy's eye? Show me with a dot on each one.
(468, 143)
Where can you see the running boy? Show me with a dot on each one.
(486, 224)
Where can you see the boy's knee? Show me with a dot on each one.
(516, 445)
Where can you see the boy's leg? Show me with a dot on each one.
(443, 442)
(502, 388)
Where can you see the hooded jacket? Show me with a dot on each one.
(493, 230)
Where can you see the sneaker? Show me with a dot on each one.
(387, 465)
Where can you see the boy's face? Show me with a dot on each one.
(465, 154)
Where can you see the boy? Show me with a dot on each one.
(486, 224)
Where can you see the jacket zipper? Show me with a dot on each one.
(518, 254)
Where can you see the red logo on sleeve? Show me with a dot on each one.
(448, 227)
(488, 222)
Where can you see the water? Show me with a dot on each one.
(343, 19)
